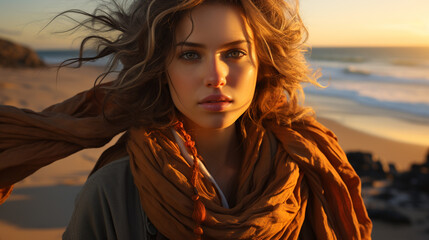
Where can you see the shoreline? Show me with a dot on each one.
(384, 123)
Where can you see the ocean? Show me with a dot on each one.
(57, 56)
(381, 91)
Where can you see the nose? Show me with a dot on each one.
(216, 73)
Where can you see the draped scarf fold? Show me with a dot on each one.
(304, 186)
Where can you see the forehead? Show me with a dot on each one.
(213, 23)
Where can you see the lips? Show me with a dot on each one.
(215, 103)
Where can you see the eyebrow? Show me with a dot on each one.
(199, 45)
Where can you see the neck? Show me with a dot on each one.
(218, 147)
(222, 155)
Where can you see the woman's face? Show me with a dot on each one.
(214, 67)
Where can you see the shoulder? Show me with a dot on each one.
(107, 205)
(113, 173)
(110, 180)
(111, 185)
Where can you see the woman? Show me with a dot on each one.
(216, 145)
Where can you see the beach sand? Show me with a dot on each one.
(383, 149)
(41, 204)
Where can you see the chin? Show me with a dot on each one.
(213, 122)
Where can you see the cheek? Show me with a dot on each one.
(246, 80)
(252, 78)
(180, 90)
(175, 91)
(172, 83)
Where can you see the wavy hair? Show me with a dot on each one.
(140, 35)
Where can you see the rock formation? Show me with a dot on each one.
(15, 55)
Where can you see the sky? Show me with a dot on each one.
(330, 22)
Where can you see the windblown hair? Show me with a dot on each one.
(139, 36)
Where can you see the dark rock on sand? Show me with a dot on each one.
(15, 55)
(366, 166)
(416, 179)
(388, 194)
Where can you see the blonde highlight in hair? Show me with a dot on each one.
(141, 35)
(279, 39)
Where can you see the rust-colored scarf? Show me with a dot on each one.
(302, 186)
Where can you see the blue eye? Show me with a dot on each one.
(235, 54)
(190, 56)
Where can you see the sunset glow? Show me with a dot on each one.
(330, 23)
(367, 23)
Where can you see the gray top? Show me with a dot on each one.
(108, 207)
